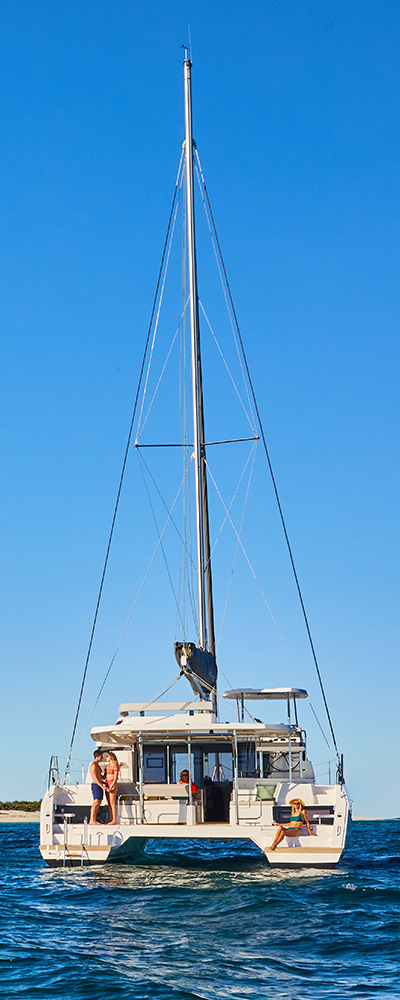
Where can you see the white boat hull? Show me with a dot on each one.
(80, 844)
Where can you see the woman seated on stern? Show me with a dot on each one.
(297, 818)
(184, 780)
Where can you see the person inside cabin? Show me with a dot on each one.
(184, 780)
(111, 786)
(97, 785)
(298, 816)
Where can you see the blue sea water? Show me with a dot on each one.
(189, 922)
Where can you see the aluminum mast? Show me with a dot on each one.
(206, 639)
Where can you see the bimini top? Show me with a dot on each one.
(201, 727)
(265, 694)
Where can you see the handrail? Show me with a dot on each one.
(141, 778)
(54, 773)
(255, 797)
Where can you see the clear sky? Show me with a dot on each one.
(296, 106)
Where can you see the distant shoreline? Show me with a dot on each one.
(373, 819)
(18, 816)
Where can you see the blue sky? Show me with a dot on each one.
(296, 121)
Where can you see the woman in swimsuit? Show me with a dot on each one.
(297, 818)
(111, 786)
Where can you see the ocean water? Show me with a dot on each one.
(187, 923)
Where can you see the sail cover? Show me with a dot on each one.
(198, 666)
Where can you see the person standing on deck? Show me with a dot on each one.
(97, 786)
(111, 786)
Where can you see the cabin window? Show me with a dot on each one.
(155, 765)
(247, 760)
(265, 765)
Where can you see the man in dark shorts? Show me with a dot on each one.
(97, 786)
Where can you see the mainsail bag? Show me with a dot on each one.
(199, 667)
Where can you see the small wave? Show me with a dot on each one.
(209, 924)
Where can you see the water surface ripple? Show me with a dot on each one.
(189, 922)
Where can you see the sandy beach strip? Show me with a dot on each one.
(18, 816)
(368, 819)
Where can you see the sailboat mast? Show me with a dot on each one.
(202, 528)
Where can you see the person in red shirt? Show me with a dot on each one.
(184, 780)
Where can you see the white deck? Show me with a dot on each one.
(167, 816)
(269, 768)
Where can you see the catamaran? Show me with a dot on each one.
(243, 775)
